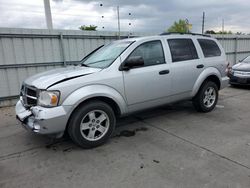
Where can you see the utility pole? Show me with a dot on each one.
(48, 14)
(203, 22)
(187, 25)
(222, 26)
(118, 19)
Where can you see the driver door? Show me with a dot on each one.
(148, 85)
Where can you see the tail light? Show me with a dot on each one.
(228, 68)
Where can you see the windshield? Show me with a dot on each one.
(246, 60)
(105, 56)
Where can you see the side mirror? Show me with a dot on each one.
(136, 61)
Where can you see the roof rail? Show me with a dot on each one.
(170, 33)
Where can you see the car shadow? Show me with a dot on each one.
(245, 87)
(126, 126)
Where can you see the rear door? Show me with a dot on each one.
(214, 56)
(186, 65)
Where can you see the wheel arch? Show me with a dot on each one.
(211, 74)
(105, 99)
(214, 79)
(96, 92)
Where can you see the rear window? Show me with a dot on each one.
(209, 48)
(182, 49)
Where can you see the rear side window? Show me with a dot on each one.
(151, 52)
(182, 49)
(209, 48)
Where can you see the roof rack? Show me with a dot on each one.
(170, 33)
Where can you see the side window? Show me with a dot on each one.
(209, 48)
(182, 49)
(151, 52)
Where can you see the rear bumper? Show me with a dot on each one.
(43, 120)
(224, 82)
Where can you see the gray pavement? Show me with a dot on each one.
(171, 146)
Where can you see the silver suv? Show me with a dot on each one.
(121, 78)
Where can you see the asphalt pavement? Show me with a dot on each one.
(171, 146)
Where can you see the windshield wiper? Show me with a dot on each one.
(98, 61)
(84, 65)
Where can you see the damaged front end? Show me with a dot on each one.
(22, 114)
(43, 120)
(39, 108)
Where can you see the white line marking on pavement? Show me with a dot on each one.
(220, 106)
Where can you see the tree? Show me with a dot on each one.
(88, 28)
(182, 26)
(239, 33)
(210, 32)
(224, 32)
(219, 32)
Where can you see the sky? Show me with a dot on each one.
(135, 15)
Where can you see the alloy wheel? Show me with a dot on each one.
(209, 97)
(94, 125)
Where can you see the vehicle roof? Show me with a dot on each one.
(170, 36)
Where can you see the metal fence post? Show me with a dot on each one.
(62, 49)
(236, 50)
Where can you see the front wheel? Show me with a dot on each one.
(207, 97)
(92, 124)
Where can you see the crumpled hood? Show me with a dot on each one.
(242, 67)
(48, 78)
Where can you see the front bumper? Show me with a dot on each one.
(239, 80)
(43, 120)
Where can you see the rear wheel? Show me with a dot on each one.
(92, 124)
(207, 97)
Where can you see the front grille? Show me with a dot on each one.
(28, 95)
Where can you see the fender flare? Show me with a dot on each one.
(97, 90)
(210, 71)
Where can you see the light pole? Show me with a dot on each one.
(222, 26)
(118, 22)
(203, 23)
(48, 14)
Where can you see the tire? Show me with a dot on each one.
(92, 124)
(203, 101)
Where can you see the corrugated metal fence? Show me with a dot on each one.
(236, 47)
(24, 52)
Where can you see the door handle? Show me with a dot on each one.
(164, 72)
(200, 66)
